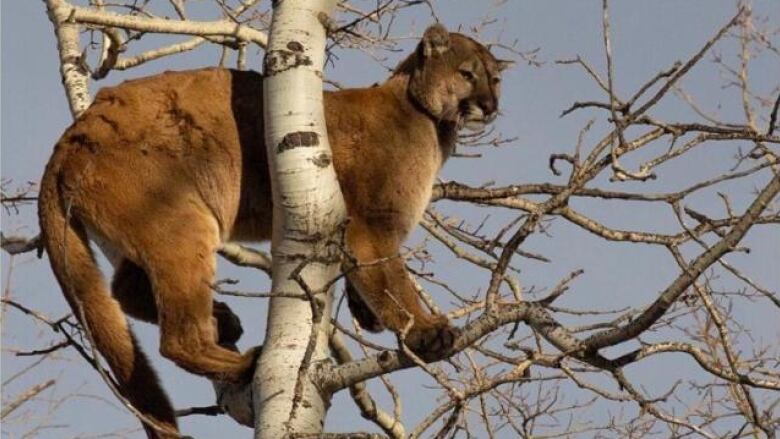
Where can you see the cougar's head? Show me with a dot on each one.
(454, 78)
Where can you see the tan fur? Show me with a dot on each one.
(165, 168)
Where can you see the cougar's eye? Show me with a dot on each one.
(467, 75)
(496, 80)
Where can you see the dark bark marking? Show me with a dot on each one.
(322, 160)
(295, 46)
(278, 61)
(298, 139)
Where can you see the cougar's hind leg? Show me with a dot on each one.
(132, 288)
(88, 295)
(384, 285)
(181, 272)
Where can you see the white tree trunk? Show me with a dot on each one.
(75, 77)
(308, 216)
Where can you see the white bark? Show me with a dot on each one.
(224, 28)
(308, 216)
(75, 77)
(127, 63)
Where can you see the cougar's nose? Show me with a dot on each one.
(488, 106)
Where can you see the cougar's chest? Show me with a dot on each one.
(387, 176)
(386, 155)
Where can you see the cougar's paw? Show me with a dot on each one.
(433, 341)
(229, 328)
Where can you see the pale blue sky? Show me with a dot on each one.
(648, 36)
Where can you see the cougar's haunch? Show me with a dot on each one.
(159, 171)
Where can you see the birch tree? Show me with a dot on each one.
(308, 216)
(533, 358)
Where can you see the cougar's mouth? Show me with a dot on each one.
(473, 118)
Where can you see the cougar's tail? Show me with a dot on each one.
(64, 238)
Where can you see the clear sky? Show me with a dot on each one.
(648, 36)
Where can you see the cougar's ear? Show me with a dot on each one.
(435, 40)
(504, 64)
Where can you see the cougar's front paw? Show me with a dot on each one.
(431, 341)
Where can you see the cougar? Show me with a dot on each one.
(160, 171)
